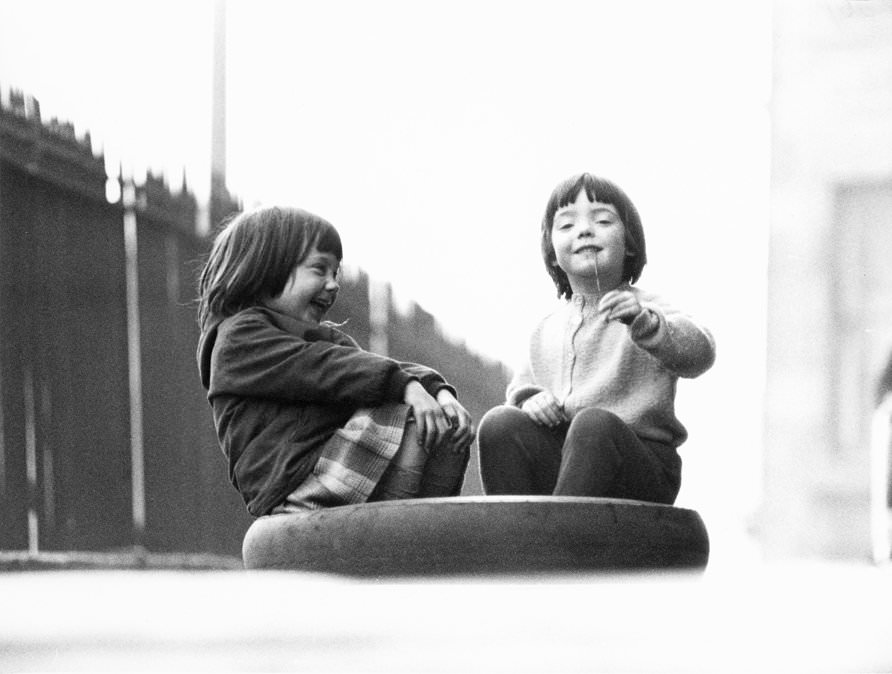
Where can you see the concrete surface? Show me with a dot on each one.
(790, 618)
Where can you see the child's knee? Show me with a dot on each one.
(498, 421)
(596, 435)
(595, 422)
(411, 454)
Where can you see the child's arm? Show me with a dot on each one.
(522, 385)
(442, 421)
(432, 381)
(538, 403)
(461, 424)
(544, 409)
(253, 358)
(680, 344)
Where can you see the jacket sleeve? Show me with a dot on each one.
(256, 359)
(675, 339)
(430, 379)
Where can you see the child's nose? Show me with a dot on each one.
(332, 284)
(586, 228)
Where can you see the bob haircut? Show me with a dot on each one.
(606, 192)
(254, 255)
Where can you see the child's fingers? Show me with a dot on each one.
(609, 300)
(625, 311)
(421, 426)
(433, 433)
(466, 431)
(532, 413)
(427, 427)
(464, 435)
(452, 417)
(554, 417)
(462, 445)
(460, 420)
(446, 428)
(440, 431)
(552, 410)
(543, 409)
(614, 300)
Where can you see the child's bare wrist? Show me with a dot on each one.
(444, 395)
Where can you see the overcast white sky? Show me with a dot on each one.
(431, 135)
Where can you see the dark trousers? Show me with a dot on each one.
(596, 454)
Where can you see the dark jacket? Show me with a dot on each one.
(279, 389)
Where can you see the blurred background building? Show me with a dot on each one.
(829, 281)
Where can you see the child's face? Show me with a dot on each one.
(311, 290)
(590, 244)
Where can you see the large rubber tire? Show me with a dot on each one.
(480, 536)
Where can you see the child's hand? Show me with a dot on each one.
(544, 409)
(459, 420)
(433, 426)
(620, 305)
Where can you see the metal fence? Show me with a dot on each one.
(106, 438)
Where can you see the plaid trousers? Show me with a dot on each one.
(352, 461)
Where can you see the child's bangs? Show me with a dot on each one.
(596, 189)
(326, 239)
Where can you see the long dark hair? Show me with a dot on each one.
(254, 254)
(606, 192)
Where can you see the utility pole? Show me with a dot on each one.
(219, 197)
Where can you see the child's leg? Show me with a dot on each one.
(414, 473)
(353, 462)
(602, 456)
(402, 479)
(517, 455)
(444, 473)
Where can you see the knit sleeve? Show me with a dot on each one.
(675, 339)
(522, 385)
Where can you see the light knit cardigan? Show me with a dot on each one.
(587, 361)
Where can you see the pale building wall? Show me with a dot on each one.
(829, 280)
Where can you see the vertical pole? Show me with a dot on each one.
(218, 119)
(219, 194)
(379, 316)
(46, 463)
(31, 460)
(3, 487)
(4, 312)
(134, 364)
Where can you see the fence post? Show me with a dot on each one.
(134, 364)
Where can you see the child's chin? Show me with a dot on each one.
(319, 314)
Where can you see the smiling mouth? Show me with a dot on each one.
(322, 305)
(592, 249)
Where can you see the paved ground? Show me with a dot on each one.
(789, 618)
(131, 558)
